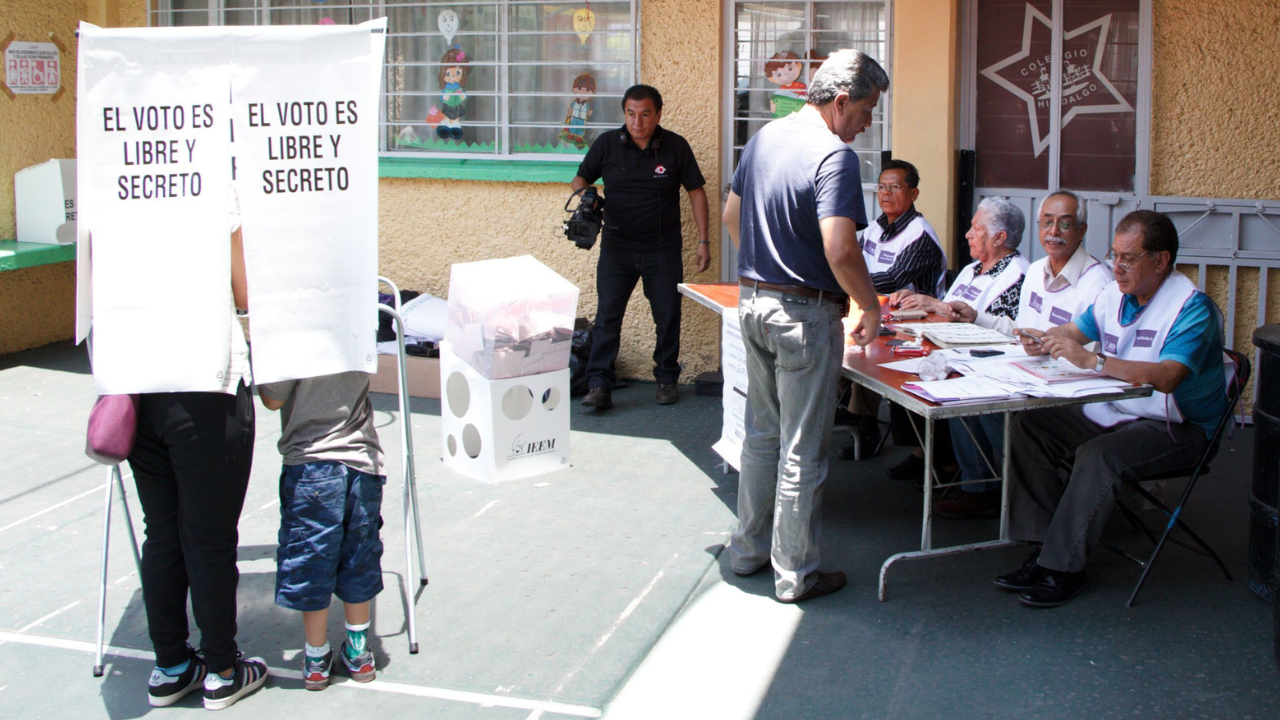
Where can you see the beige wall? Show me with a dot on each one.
(37, 305)
(427, 225)
(923, 87)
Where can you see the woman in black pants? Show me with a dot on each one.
(191, 462)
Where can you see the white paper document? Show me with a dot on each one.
(961, 389)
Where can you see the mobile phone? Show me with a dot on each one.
(895, 342)
(985, 353)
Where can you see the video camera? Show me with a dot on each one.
(583, 227)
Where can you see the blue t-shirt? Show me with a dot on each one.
(1195, 340)
(792, 174)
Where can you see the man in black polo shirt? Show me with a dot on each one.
(643, 166)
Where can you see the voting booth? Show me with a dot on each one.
(44, 198)
(504, 369)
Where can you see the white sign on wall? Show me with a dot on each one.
(32, 68)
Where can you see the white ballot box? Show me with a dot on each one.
(44, 198)
(510, 317)
(504, 429)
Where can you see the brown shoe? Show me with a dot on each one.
(967, 505)
(668, 394)
(826, 584)
(599, 398)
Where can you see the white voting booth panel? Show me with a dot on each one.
(494, 430)
(45, 202)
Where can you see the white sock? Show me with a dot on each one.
(317, 652)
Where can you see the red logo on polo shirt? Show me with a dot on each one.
(660, 170)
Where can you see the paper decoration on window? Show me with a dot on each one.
(453, 81)
(784, 70)
(584, 21)
(575, 122)
(447, 21)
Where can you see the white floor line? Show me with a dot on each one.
(483, 509)
(68, 501)
(535, 715)
(50, 616)
(617, 623)
(482, 699)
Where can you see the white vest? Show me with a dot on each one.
(1140, 340)
(1042, 309)
(879, 254)
(979, 292)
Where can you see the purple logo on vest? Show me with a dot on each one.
(1110, 343)
(1037, 303)
(972, 292)
(886, 257)
(1058, 316)
(869, 247)
(959, 290)
(1144, 338)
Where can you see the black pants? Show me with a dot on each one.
(616, 276)
(191, 464)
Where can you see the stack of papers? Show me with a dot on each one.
(960, 389)
(1004, 376)
(950, 335)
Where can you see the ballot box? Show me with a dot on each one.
(510, 317)
(502, 429)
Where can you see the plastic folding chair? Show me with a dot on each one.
(1235, 388)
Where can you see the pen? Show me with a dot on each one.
(1034, 339)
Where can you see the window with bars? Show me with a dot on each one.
(777, 45)
(510, 79)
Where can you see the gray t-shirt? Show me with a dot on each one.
(327, 418)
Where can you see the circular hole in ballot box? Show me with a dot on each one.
(458, 394)
(517, 401)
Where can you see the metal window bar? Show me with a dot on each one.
(162, 13)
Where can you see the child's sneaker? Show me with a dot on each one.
(315, 670)
(361, 666)
(164, 690)
(220, 692)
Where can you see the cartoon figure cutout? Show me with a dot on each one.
(453, 81)
(784, 70)
(574, 132)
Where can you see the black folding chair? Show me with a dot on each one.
(1235, 388)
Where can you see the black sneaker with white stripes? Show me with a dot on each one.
(164, 690)
(249, 675)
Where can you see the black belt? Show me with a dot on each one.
(803, 291)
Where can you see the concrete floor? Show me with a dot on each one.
(600, 589)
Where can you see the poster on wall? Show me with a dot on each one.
(306, 160)
(32, 68)
(179, 130)
(154, 179)
(733, 361)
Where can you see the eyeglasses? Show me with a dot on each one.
(1125, 264)
(1064, 224)
(891, 189)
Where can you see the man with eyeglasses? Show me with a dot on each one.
(902, 251)
(1056, 289)
(1154, 327)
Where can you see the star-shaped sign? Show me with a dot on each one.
(1082, 76)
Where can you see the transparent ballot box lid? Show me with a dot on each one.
(510, 317)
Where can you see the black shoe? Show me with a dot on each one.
(668, 394)
(967, 505)
(910, 469)
(826, 584)
(599, 398)
(164, 690)
(1025, 577)
(1054, 589)
(250, 674)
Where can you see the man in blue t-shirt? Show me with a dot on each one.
(795, 211)
(1153, 327)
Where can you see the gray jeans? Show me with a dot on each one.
(794, 349)
(1068, 516)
